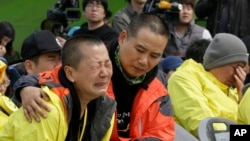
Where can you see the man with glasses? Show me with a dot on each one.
(185, 30)
(7, 107)
(5, 82)
(95, 12)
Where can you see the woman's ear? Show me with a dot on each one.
(69, 73)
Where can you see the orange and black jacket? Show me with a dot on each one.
(144, 110)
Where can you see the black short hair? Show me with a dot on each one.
(148, 20)
(103, 2)
(71, 54)
(196, 49)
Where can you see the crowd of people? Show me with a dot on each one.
(131, 79)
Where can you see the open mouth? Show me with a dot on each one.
(101, 85)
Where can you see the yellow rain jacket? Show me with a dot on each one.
(197, 94)
(6, 105)
(243, 113)
(53, 128)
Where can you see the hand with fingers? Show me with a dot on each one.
(33, 103)
(240, 77)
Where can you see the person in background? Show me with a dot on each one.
(5, 87)
(124, 16)
(243, 116)
(246, 41)
(225, 16)
(7, 36)
(107, 19)
(40, 52)
(7, 107)
(95, 11)
(135, 84)
(81, 110)
(211, 89)
(243, 112)
(196, 50)
(170, 64)
(184, 31)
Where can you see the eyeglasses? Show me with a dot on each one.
(97, 6)
(5, 84)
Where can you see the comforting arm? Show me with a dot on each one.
(27, 92)
(53, 128)
(27, 80)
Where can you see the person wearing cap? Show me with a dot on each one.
(40, 52)
(184, 30)
(211, 89)
(170, 64)
(95, 11)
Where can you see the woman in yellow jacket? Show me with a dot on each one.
(7, 107)
(243, 113)
(80, 108)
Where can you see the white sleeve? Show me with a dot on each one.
(206, 35)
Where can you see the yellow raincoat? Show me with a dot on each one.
(53, 128)
(197, 94)
(6, 105)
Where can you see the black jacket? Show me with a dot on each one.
(225, 16)
(105, 32)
